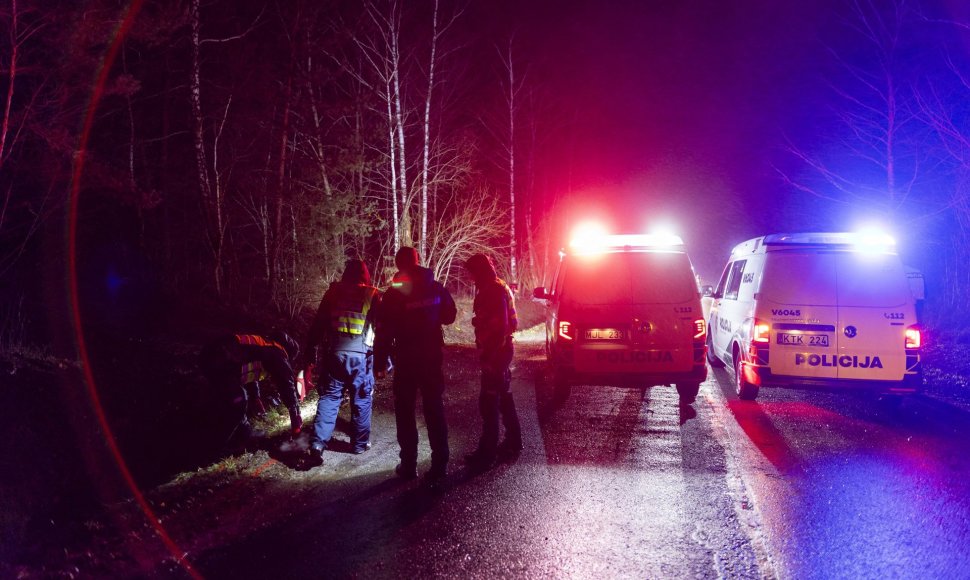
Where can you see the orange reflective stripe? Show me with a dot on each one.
(256, 340)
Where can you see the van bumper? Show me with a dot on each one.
(568, 374)
(912, 382)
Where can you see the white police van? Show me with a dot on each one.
(625, 310)
(816, 309)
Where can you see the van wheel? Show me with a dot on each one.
(561, 391)
(688, 392)
(745, 390)
(561, 387)
(711, 357)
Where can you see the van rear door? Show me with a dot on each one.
(665, 303)
(875, 308)
(633, 312)
(798, 298)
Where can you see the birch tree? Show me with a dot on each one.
(212, 204)
(512, 90)
(375, 65)
(425, 160)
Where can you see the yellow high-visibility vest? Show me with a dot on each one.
(349, 314)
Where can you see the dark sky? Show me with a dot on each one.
(681, 109)
(679, 105)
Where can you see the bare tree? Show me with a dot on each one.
(20, 216)
(212, 205)
(377, 67)
(15, 40)
(423, 232)
(883, 132)
(946, 120)
(468, 226)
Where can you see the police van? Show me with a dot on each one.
(625, 310)
(816, 309)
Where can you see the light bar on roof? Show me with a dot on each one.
(862, 241)
(618, 241)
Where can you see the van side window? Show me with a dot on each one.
(734, 281)
(557, 281)
(719, 290)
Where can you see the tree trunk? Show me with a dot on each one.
(513, 270)
(278, 232)
(423, 232)
(211, 209)
(318, 126)
(405, 223)
(396, 231)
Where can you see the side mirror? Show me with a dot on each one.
(540, 293)
(707, 290)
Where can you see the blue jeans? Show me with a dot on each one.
(353, 371)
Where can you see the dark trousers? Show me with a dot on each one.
(354, 372)
(425, 377)
(496, 399)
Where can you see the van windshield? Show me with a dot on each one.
(834, 279)
(629, 278)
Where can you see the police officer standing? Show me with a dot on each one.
(230, 362)
(495, 321)
(343, 328)
(409, 331)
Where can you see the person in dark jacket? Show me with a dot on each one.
(409, 333)
(494, 321)
(229, 362)
(344, 330)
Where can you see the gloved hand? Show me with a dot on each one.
(296, 421)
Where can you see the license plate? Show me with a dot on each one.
(604, 334)
(803, 339)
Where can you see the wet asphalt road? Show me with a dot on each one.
(625, 483)
(850, 486)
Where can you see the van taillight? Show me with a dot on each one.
(760, 330)
(700, 329)
(914, 338)
(566, 330)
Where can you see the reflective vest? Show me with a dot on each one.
(253, 372)
(348, 315)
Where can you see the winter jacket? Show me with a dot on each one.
(410, 319)
(495, 318)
